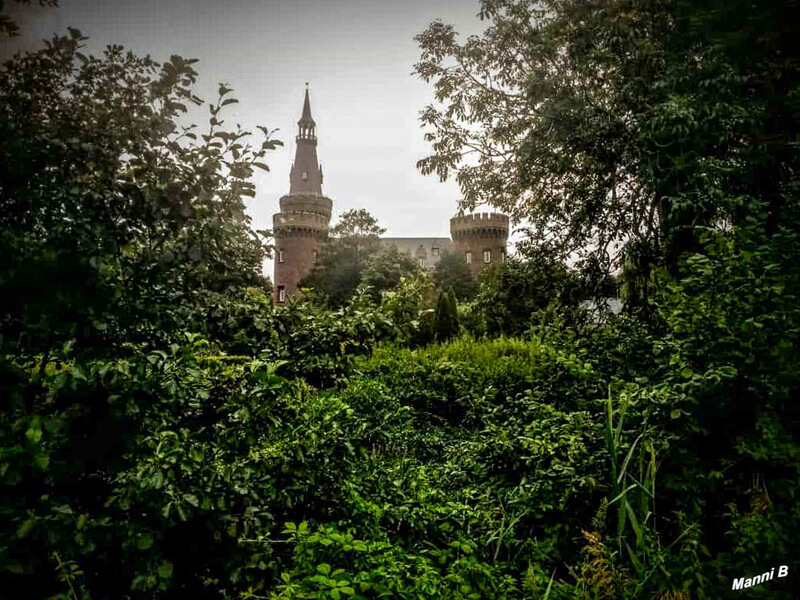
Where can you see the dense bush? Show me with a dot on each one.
(496, 468)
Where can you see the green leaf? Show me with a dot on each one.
(324, 568)
(165, 570)
(145, 541)
(25, 528)
(42, 461)
(34, 432)
(77, 373)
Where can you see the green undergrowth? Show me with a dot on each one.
(474, 469)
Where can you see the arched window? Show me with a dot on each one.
(468, 258)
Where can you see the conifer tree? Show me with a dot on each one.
(446, 317)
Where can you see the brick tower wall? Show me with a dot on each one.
(478, 233)
(299, 229)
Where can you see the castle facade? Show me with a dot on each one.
(301, 226)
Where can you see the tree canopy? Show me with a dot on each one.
(114, 215)
(452, 272)
(338, 269)
(605, 123)
(385, 267)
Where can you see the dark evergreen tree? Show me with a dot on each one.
(446, 316)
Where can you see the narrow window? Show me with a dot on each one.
(280, 256)
(281, 293)
(421, 262)
(316, 253)
(305, 175)
(469, 258)
(487, 256)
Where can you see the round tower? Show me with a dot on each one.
(480, 239)
(302, 224)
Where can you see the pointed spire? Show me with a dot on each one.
(306, 175)
(306, 118)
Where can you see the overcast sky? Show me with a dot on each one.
(357, 56)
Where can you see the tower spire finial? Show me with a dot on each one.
(306, 118)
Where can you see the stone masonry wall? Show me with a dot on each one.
(474, 235)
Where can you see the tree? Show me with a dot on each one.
(445, 322)
(385, 267)
(115, 219)
(357, 229)
(339, 267)
(511, 293)
(604, 122)
(411, 307)
(453, 273)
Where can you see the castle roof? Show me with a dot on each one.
(425, 241)
(429, 249)
(306, 116)
(306, 174)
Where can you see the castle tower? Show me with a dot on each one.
(302, 223)
(480, 239)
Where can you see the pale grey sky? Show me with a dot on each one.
(357, 56)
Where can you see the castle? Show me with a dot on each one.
(301, 226)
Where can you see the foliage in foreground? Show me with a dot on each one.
(114, 217)
(472, 469)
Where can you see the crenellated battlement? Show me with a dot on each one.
(306, 202)
(300, 219)
(480, 238)
(495, 223)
